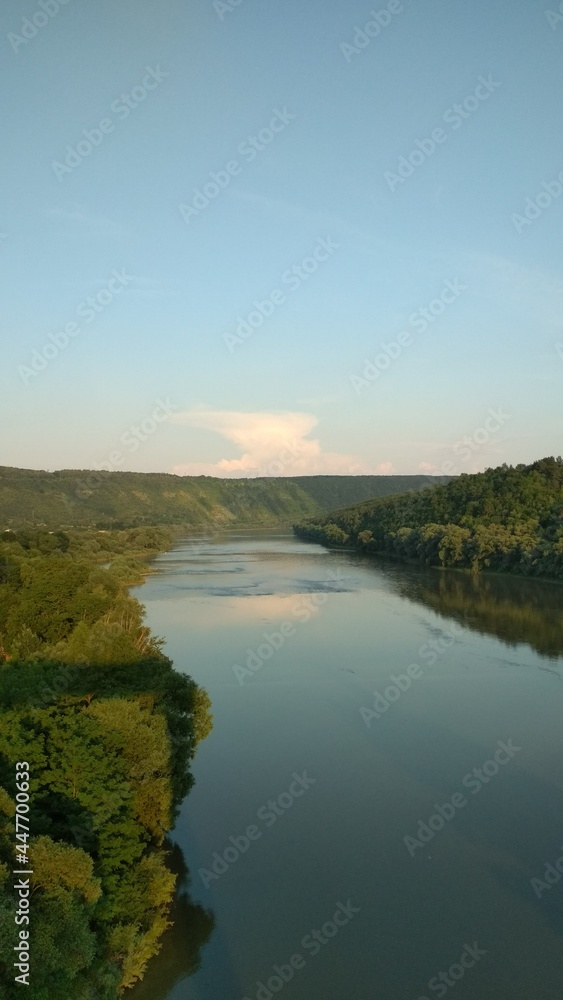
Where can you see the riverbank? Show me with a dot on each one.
(506, 519)
(109, 730)
(393, 557)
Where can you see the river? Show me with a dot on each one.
(383, 781)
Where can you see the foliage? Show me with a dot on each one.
(108, 728)
(120, 499)
(508, 519)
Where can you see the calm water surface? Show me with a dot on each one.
(343, 626)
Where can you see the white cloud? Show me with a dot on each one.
(272, 444)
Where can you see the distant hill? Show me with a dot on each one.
(508, 519)
(84, 498)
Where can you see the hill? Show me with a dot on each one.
(508, 519)
(73, 498)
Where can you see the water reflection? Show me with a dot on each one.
(180, 955)
(511, 609)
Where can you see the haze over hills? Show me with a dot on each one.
(83, 498)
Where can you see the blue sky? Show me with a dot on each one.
(321, 384)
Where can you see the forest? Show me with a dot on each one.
(73, 498)
(508, 519)
(106, 730)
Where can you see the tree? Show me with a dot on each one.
(453, 544)
(58, 868)
(144, 744)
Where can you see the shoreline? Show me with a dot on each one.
(464, 570)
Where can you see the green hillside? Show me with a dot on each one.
(124, 499)
(508, 519)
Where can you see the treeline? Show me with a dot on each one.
(72, 498)
(508, 519)
(107, 729)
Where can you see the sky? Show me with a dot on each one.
(281, 238)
